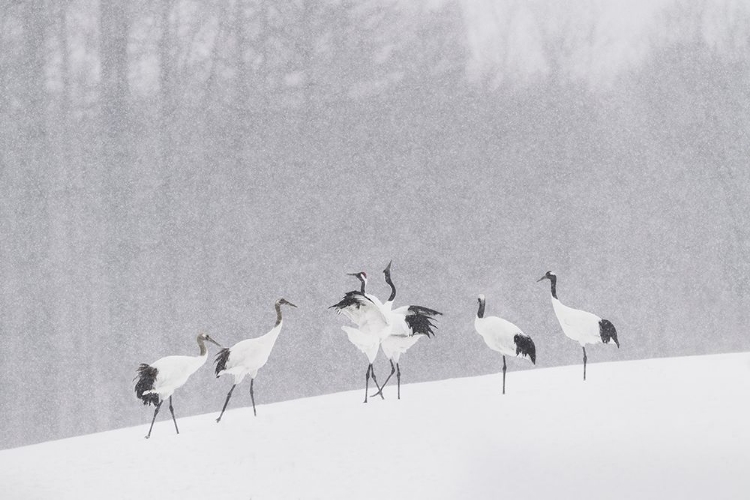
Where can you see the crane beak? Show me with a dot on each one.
(388, 267)
(356, 275)
(540, 279)
(290, 304)
(213, 341)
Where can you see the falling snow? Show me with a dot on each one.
(170, 168)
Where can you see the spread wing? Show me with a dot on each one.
(414, 320)
(364, 310)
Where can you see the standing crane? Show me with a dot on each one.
(365, 311)
(248, 356)
(581, 326)
(503, 336)
(159, 380)
(408, 325)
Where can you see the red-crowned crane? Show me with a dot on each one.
(365, 311)
(503, 336)
(581, 326)
(157, 381)
(248, 356)
(408, 325)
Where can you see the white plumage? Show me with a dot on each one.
(397, 320)
(158, 381)
(366, 343)
(367, 312)
(407, 324)
(248, 356)
(395, 345)
(498, 334)
(503, 336)
(173, 372)
(581, 326)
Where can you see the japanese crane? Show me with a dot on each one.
(503, 336)
(248, 356)
(408, 325)
(159, 380)
(581, 326)
(365, 311)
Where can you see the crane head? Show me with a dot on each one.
(284, 302)
(361, 276)
(205, 336)
(480, 311)
(549, 275)
(387, 270)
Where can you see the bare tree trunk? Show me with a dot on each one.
(210, 85)
(241, 85)
(167, 104)
(167, 255)
(32, 72)
(34, 163)
(4, 68)
(113, 51)
(242, 69)
(118, 251)
(67, 93)
(61, 236)
(263, 42)
(306, 50)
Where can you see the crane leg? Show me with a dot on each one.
(393, 370)
(504, 369)
(398, 379)
(367, 380)
(156, 412)
(252, 396)
(229, 395)
(171, 410)
(380, 389)
(584, 363)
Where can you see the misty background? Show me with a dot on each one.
(173, 167)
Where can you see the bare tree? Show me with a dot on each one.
(114, 20)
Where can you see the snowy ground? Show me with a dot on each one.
(662, 428)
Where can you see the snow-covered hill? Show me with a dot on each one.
(661, 428)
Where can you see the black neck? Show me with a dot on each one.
(480, 312)
(362, 290)
(278, 314)
(393, 287)
(202, 346)
(553, 281)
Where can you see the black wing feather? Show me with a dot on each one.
(419, 319)
(424, 310)
(355, 298)
(146, 377)
(525, 347)
(221, 361)
(607, 332)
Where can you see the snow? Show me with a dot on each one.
(659, 428)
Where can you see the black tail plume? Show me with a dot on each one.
(525, 347)
(419, 319)
(608, 332)
(221, 361)
(146, 377)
